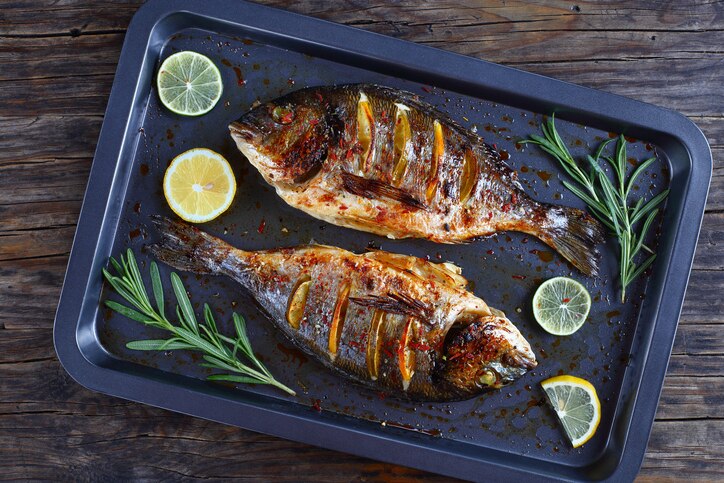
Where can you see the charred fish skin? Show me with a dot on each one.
(387, 321)
(380, 160)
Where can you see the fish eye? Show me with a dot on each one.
(283, 115)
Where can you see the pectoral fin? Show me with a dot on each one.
(375, 189)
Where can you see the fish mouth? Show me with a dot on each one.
(243, 132)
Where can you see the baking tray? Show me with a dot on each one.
(262, 53)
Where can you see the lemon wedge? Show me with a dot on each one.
(199, 185)
(575, 402)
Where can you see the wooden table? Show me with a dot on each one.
(57, 61)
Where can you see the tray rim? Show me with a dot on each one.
(124, 98)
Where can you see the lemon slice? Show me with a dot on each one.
(199, 185)
(189, 83)
(561, 305)
(575, 402)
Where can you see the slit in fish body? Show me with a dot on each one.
(372, 354)
(438, 151)
(365, 131)
(401, 140)
(338, 316)
(298, 301)
(405, 355)
(469, 176)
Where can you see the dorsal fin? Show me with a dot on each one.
(445, 273)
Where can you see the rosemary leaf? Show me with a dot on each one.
(158, 345)
(126, 311)
(233, 378)
(157, 288)
(639, 169)
(653, 203)
(184, 303)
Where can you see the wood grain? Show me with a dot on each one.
(57, 61)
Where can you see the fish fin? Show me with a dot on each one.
(396, 303)
(574, 234)
(185, 247)
(446, 273)
(375, 189)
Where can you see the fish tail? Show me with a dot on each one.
(574, 234)
(187, 248)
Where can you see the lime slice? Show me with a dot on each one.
(561, 305)
(189, 83)
(576, 403)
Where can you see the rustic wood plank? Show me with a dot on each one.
(704, 299)
(100, 56)
(694, 397)
(699, 339)
(21, 18)
(29, 291)
(38, 138)
(696, 366)
(710, 248)
(685, 450)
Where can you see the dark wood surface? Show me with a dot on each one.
(57, 61)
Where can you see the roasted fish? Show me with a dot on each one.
(392, 322)
(381, 160)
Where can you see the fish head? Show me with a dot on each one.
(487, 353)
(285, 139)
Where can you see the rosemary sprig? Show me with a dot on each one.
(608, 203)
(219, 351)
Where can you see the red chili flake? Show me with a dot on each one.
(505, 207)
(514, 198)
(262, 225)
(419, 346)
(381, 395)
(319, 96)
(490, 252)
(519, 277)
(314, 122)
(426, 89)
(490, 215)
(495, 146)
(342, 207)
(566, 300)
(387, 352)
(287, 118)
(316, 405)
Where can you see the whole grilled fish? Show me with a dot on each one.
(392, 322)
(380, 160)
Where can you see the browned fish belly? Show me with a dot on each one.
(380, 160)
(392, 322)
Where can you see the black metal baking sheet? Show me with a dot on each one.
(263, 53)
